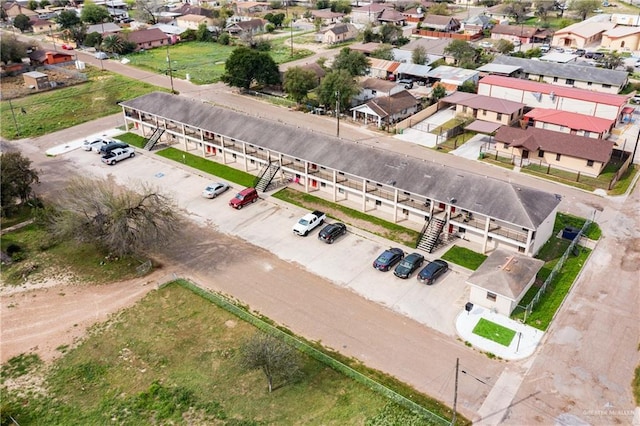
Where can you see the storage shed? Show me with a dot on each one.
(36, 80)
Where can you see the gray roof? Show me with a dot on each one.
(571, 71)
(506, 273)
(515, 204)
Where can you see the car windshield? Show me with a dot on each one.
(303, 222)
(385, 256)
(210, 189)
(406, 264)
(240, 197)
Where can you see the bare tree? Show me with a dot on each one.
(122, 221)
(147, 10)
(277, 360)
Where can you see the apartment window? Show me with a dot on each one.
(464, 109)
(555, 79)
(323, 184)
(484, 112)
(541, 154)
(505, 145)
(558, 157)
(589, 83)
(491, 296)
(520, 249)
(373, 92)
(571, 82)
(586, 134)
(589, 163)
(405, 211)
(499, 117)
(341, 190)
(378, 203)
(606, 86)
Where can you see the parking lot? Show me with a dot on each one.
(268, 224)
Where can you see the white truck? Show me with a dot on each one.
(308, 222)
(118, 154)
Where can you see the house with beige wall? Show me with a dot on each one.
(485, 108)
(569, 122)
(192, 22)
(577, 154)
(621, 38)
(338, 33)
(581, 34)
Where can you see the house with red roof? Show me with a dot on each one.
(380, 68)
(542, 95)
(147, 39)
(577, 154)
(569, 122)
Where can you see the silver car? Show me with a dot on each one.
(94, 144)
(214, 189)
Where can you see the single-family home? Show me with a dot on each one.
(502, 280)
(564, 151)
(250, 27)
(392, 16)
(367, 14)
(173, 31)
(147, 39)
(543, 95)
(452, 77)
(569, 122)
(518, 33)
(249, 8)
(380, 68)
(434, 47)
(42, 26)
(499, 12)
(366, 48)
(413, 14)
(339, 33)
(621, 38)
(327, 17)
(49, 57)
(375, 88)
(571, 75)
(485, 108)
(582, 34)
(14, 8)
(447, 24)
(104, 28)
(192, 22)
(189, 9)
(386, 110)
(401, 188)
(476, 24)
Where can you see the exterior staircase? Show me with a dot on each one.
(430, 234)
(155, 137)
(266, 175)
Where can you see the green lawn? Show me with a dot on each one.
(174, 359)
(132, 139)
(564, 220)
(464, 257)
(204, 61)
(67, 107)
(495, 332)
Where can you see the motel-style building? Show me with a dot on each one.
(445, 203)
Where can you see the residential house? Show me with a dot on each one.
(339, 33)
(192, 22)
(375, 88)
(447, 24)
(249, 8)
(366, 48)
(13, 9)
(327, 17)
(147, 39)
(496, 213)
(564, 151)
(316, 69)
(250, 27)
(434, 47)
(414, 72)
(392, 16)
(43, 26)
(486, 108)
(105, 28)
(582, 34)
(502, 281)
(621, 38)
(626, 19)
(367, 14)
(543, 95)
(174, 32)
(414, 14)
(572, 75)
(386, 110)
(499, 13)
(518, 34)
(380, 68)
(452, 77)
(560, 58)
(476, 24)
(569, 122)
(188, 9)
(49, 57)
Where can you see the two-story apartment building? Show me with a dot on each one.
(444, 202)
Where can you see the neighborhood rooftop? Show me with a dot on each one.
(482, 102)
(516, 204)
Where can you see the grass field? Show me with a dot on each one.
(495, 332)
(203, 61)
(464, 257)
(173, 359)
(67, 107)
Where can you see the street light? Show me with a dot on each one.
(337, 113)
(170, 69)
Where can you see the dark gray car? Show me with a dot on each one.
(106, 149)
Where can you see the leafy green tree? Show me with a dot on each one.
(93, 14)
(270, 28)
(278, 361)
(298, 82)
(355, 63)
(120, 221)
(384, 51)
(503, 46)
(12, 50)
(584, 7)
(22, 22)
(438, 92)
(203, 33)
(611, 60)
(93, 39)
(276, 19)
(439, 9)
(224, 39)
(419, 55)
(323, 4)
(468, 86)
(44, 3)
(533, 53)
(369, 36)
(463, 52)
(275, 5)
(32, 5)
(517, 10)
(337, 82)
(68, 19)
(341, 6)
(77, 33)
(246, 66)
(16, 180)
(390, 33)
(113, 43)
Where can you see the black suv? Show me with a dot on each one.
(332, 231)
(106, 149)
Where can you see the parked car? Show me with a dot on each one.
(92, 144)
(432, 271)
(406, 83)
(580, 52)
(486, 44)
(388, 259)
(214, 189)
(408, 265)
(308, 223)
(101, 55)
(331, 232)
(636, 99)
(67, 47)
(545, 48)
(106, 149)
(118, 154)
(244, 197)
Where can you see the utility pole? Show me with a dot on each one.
(15, 122)
(337, 113)
(455, 394)
(170, 69)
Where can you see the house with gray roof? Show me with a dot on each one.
(444, 202)
(566, 75)
(386, 110)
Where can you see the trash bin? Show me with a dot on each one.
(569, 233)
(481, 156)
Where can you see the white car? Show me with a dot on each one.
(214, 189)
(118, 154)
(486, 44)
(101, 55)
(94, 144)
